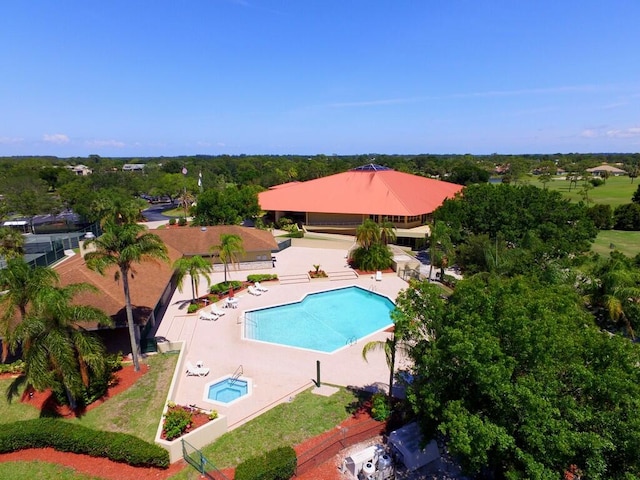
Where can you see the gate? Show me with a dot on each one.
(197, 460)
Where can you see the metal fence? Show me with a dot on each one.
(197, 460)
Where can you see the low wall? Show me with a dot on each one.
(199, 437)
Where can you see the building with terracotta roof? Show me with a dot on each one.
(154, 282)
(343, 201)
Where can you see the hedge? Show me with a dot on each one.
(278, 464)
(261, 277)
(68, 437)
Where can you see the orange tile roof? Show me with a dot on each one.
(385, 192)
(198, 241)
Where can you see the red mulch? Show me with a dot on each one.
(109, 470)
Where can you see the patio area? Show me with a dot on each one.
(277, 373)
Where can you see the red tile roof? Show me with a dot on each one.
(385, 192)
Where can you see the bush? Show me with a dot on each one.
(596, 182)
(627, 217)
(380, 408)
(192, 308)
(296, 234)
(278, 464)
(261, 277)
(182, 221)
(172, 221)
(69, 437)
(376, 257)
(13, 368)
(176, 421)
(602, 216)
(223, 287)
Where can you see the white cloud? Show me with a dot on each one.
(630, 132)
(58, 138)
(221, 144)
(105, 143)
(590, 133)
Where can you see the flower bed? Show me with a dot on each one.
(180, 420)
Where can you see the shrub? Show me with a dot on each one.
(296, 234)
(627, 217)
(176, 421)
(182, 221)
(380, 409)
(172, 221)
(69, 437)
(261, 277)
(223, 287)
(602, 216)
(13, 368)
(376, 257)
(278, 464)
(213, 415)
(596, 182)
(192, 308)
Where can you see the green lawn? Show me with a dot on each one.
(306, 416)
(626, 242)
(616, 191)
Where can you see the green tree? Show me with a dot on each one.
(229, 250)
(440, 247)
(122, 246)
(185, 200)
(194, 267)
(21, 283)
(368, 234)
(11, 243)
(57, 352)
(522, 384)
(387, 232)
(117, 207)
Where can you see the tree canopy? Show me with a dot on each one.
(521, 382)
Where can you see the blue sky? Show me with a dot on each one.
(149, 78)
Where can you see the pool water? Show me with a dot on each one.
(324, 321)
(227, 390)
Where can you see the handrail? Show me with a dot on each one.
(351, 341)
(236, 375)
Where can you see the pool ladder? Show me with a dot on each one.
(351, 341)
(236, 375)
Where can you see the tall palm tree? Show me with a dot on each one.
(195, 267)
(229, 250)
(11, 243)
(368, 234)
(389, 348)
(122, 246)
(185, 200)
(440, 247)
(114, 207)
(387, 232)
(57, 352)
(21, 284)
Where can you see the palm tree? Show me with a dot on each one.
(615, 290)
(57, 352)
(194, 267)
(389, 348)
(22, 283)
(387, 232)
(185, 200)
(229, 250)
(368, 234)
(122, 246)
(11, 243)
(440, 247)
(116, 208)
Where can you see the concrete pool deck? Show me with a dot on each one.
(277, 373)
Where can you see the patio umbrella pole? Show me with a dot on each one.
(318, 384)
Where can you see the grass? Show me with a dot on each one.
(287, 424)
(616, 191)
(137, 410)
(39, 470)
(16, 410)
(626, 242)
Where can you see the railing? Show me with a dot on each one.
(236, 375)
(197, 460)
(351, 341)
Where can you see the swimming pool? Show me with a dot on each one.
(323, 321)
(227, 390)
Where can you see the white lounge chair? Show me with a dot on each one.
(204, 315)
(254, 291)
(260, 288)
(217, 310)
(194, 371)
(378, 276)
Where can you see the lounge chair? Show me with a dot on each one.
(208, 315)
(254, 291)
(378, 276)
(194, 371)
(217, 310)
(260, 288)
